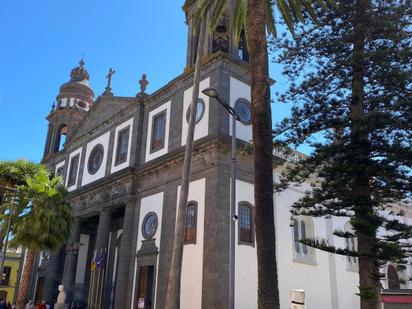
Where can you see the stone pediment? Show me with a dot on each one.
(104, 109)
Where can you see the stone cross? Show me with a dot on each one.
(109, 77)
(108, 91)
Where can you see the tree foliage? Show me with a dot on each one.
(35, 203)
(44, 215)
(351, 89)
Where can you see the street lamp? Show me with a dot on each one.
(212, 93)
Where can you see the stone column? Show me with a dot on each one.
(51, 280)
(70, 262)
(123, 276)
(101, 246)
(103, 230)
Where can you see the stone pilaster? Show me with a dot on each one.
(51, 280)
(70, 262)
(97, 288)
(103, 229)
(123, 277)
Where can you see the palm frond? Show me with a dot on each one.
(285, 11)
(270, 18)
(239, 19)
(217, 10)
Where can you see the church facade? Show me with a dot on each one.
(121, 159)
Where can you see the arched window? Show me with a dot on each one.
(303, 228)
(303, 236)
(243, 52)
(296, 235)
(5, 280)
(60, 138)
(221, 36)
(191, 223)
(351, 243)
(245, 223)
(393, 279)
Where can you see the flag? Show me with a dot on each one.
(93, 264)
(100, 262)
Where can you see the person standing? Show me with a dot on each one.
(30, 305)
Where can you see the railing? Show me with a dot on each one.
(288, 154)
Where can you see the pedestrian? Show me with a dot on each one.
(9, 306)
(43, 305)
(30, 305)
(3, 304)
(47, 305)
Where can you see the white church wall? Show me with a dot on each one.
(245, 257)
(192, 267)
(202, 127)
(346, 276)
(82, 258)
(404, 275)
(153, 155)
(115, 168)
(313, 278)
(104, 141)
(152, 203)
(239, 90)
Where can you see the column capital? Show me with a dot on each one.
(78, 219)
(105, 211)
(130, 202)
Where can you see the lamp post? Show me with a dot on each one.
(212, 93)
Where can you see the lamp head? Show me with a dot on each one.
(211, 92)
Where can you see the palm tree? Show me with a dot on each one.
(173, 285)
(256, 18)
(44, 222)
(12, 175)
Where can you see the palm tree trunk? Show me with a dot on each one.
(173, 285)
(268, 292)
(369, 283)
(25, 279)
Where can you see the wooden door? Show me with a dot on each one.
(145, 291)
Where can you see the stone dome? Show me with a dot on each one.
(76, 93)
(79, 73)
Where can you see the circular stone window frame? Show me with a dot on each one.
(97, 147)
(249, 106)
(81, 104)
(146, 217)
(200, 101)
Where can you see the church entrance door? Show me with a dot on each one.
(145, 292)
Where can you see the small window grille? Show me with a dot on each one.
(245, 223)
(122, 145)
(74, 164)
(158, 131)
(191, 223)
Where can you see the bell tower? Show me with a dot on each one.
(72, 103)
(222, 39)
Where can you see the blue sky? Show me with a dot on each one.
(41, 41)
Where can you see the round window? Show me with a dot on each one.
(199, 111)
(242, 108)
(81, 104)
(149, 226)
(95, 159)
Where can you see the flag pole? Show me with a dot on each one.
(92, 280)
(103, 264)
(101, 290)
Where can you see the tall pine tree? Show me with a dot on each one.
(352, 103)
